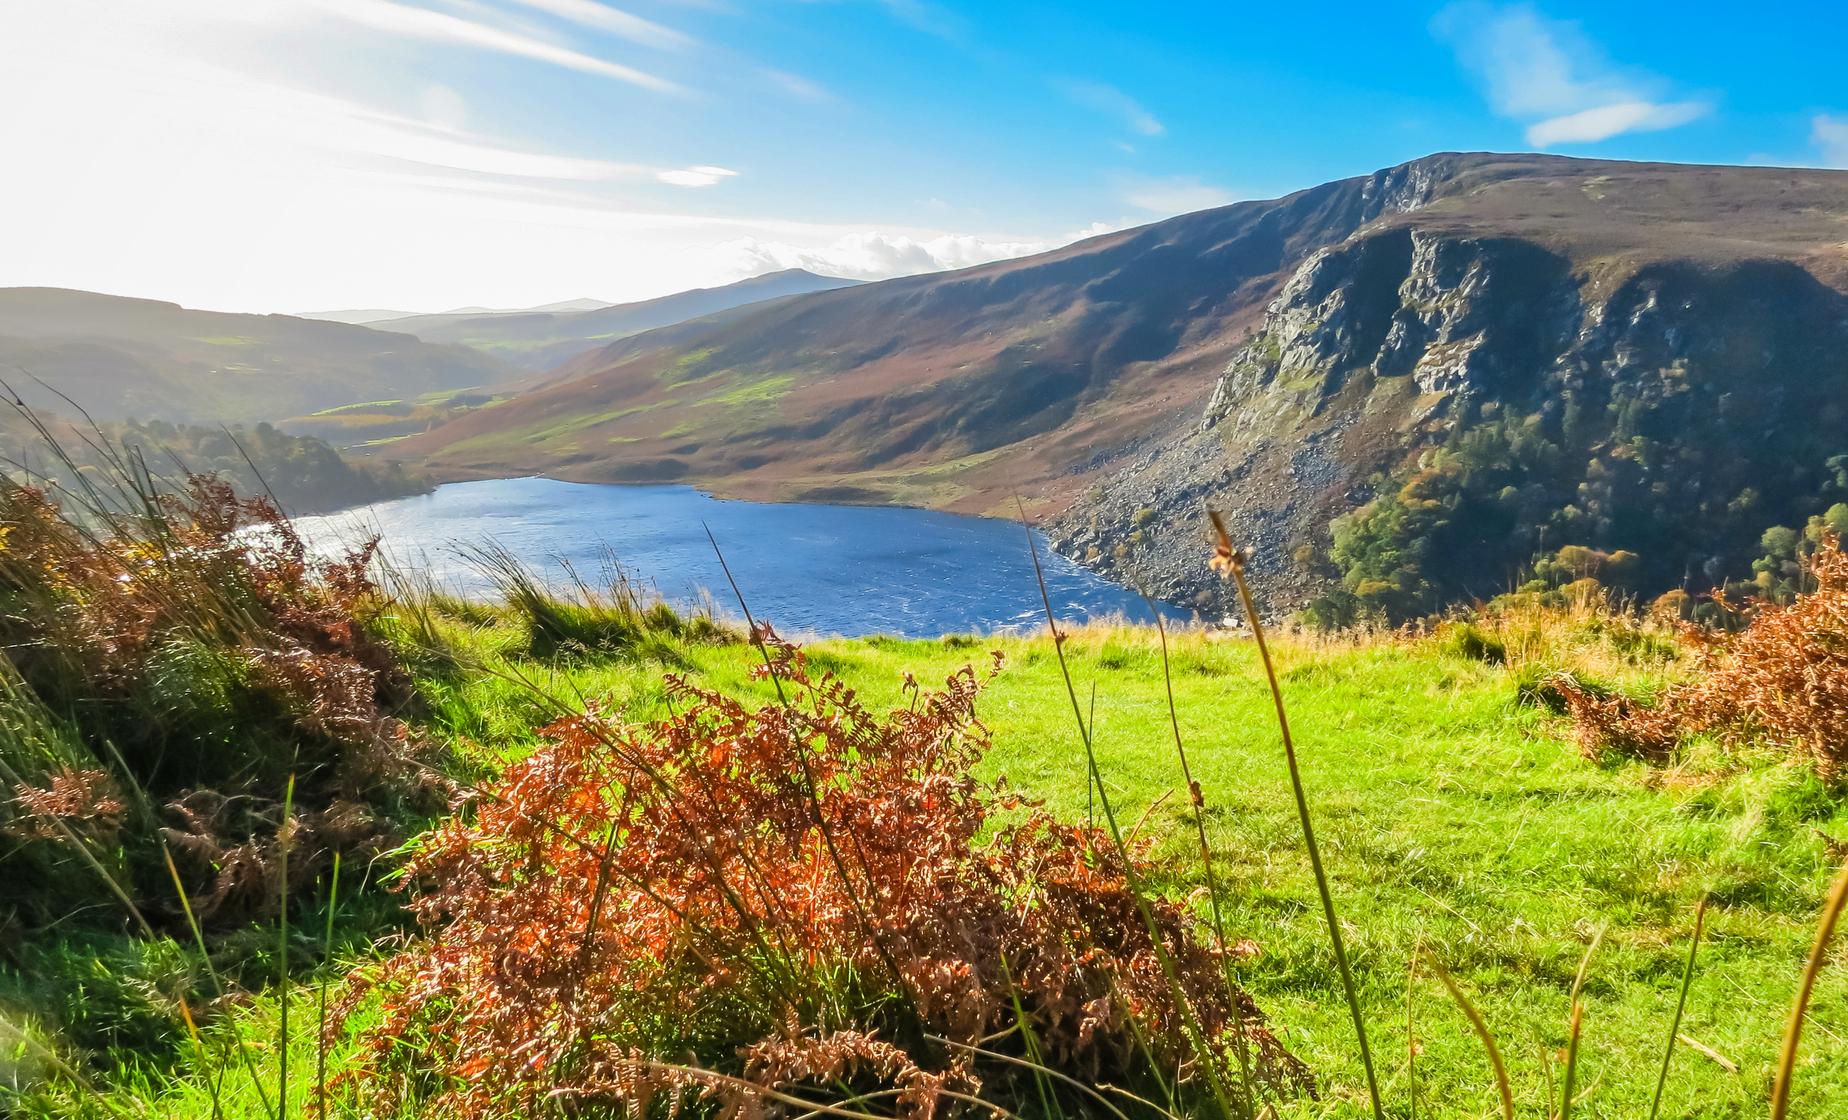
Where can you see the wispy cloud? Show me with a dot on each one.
(930, 18)
(1178, 195)
(602, 17)
(1113, 102)
(704, 175)
(1548, 74)
(434, 26)
(1830, 134)
(878, 255)
(796, 84)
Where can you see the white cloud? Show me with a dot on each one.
(1545, 72)
(796, 85)
(1606, 121)
(602, 17)
(1179, 195)
(214, 152)
(932, 19)
(876, 255)
(434, 26)
(1111, 101)
(702, 176)
(1830, 135)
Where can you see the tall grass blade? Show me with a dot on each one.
(1687, 981)
(282, 953)
(1195, 1034)
(1230, 561)
(1411, 1040)
(211, 970)
(1825, 933)
(1482, 1032)
(327, 949)
(1197, 803)
(1569, 1081)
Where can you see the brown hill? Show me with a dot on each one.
(119, 358)
(1045, 374)
(539, 338)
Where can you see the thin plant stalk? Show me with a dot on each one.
(1825, 933)
(1569, 1080)
(1674, 1029)
(1189, 1020)
(327, 949)
(211, 970)
(282, 953)
(1197, 804)
(1482, 1032)
(1411, 1039)
(1229, 561)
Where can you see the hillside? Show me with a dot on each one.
(1269, 356)
(123, 358)
(540, 338)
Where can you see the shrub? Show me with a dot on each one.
(172, 662)
(1783, 680)
(1472, 643)
(803, 897)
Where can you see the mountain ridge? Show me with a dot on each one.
(537, 339)
(1067, 377)
(121, 357)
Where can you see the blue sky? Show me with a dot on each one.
(286, 155)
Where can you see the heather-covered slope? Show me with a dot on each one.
(1274, 356)
(541, 338)
(120, 358)
(951, 389)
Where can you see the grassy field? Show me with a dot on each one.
(1453, 818)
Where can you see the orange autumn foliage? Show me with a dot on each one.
(1782, 681)
(808, 897)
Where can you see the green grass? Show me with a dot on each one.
(356, 407)
(758, 391)
(1451, 818)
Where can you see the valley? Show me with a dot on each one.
(1522, 339)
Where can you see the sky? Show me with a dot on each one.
(298, 155)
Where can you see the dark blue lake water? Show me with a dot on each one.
(808, 569)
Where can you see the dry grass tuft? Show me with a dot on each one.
(1782, 681)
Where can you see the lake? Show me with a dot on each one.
(808, 569)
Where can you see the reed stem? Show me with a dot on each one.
(1236, 567)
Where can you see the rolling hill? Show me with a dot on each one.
(540, 338)
(121, 358)
(1269, 356)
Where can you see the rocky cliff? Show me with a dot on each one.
(1387, 345)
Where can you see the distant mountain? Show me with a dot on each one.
(119, 358)
(366, 317)
(1288, 361)
(540, 338)
(585, 304)
(357, 316)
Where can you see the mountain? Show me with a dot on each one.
(540, 338)
(1288, 360)
(119, 358)
(585, 304)
(365, 317)
(358, 316)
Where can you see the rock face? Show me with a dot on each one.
(1375, 347)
